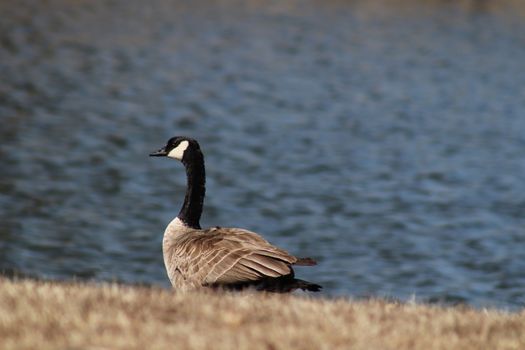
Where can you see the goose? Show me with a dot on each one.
(218, 257)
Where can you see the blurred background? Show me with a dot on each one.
(384, 138)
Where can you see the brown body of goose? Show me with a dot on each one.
(217, 257)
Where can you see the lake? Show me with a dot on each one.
(385, 139)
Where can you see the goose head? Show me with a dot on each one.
(179, 147)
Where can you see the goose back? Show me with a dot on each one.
(221, 256)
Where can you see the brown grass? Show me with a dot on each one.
(51, 315)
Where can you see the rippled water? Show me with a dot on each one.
(385, 139)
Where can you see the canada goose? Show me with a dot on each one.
(217, 257)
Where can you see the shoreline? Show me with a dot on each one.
(51, 315)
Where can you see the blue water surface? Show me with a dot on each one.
(385, 139)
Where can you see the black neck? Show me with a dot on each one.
(191, 210)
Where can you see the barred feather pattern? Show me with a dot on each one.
(197, 258)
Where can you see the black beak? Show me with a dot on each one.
(160, 153)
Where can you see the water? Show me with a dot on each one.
(384, 139)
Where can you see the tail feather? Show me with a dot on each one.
(283, 284)
(305, 262)
(307, 286)
(287, 284)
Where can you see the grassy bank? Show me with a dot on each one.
(50, 315)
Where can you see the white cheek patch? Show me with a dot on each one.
(178, 151)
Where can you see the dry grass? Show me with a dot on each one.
(50, 315)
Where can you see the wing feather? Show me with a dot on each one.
(227, 255)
